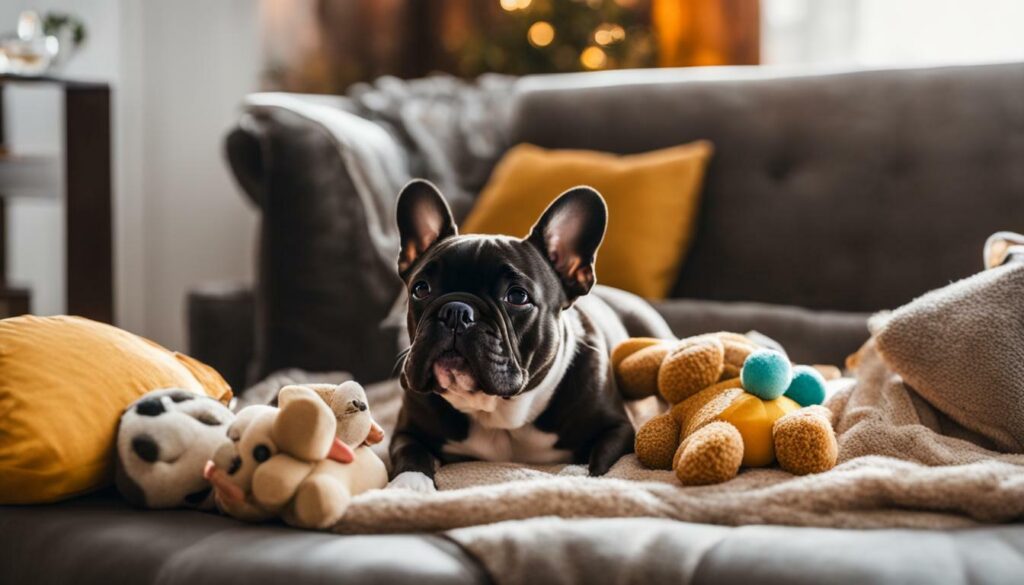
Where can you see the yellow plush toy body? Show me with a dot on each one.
(301, 462)
(732, 404)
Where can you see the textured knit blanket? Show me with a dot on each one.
(440, 128)
(930, 432)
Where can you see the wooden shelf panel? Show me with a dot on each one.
(11, 79)
(14, 302)
(30, 175)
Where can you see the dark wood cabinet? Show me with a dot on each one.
(86, 162)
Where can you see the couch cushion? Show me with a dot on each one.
(646, 550)
(809, 337)
(855, 191)
(101, 540)
(795, 556)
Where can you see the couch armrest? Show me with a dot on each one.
(327, 246)
(220, 330)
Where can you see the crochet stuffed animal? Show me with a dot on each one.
(303, 461)
(732, 403)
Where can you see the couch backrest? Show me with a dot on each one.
(853, 190)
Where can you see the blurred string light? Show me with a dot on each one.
(540, 34)
(606, 34)
(543, 36)
(513, 5)
(593, 58)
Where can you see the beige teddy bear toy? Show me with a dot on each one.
(732, 403)
(302, 461)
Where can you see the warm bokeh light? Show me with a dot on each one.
(607, 34)
(511, 5)
(541, 34)
(593, 58)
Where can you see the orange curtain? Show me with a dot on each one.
(707, 32)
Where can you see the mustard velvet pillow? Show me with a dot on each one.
(653, 199)
(64, 382)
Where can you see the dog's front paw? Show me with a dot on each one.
(413, 480)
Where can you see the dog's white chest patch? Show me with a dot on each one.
(527, 444)
(503, 430)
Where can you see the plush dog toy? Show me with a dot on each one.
(302, 461)
(732, 403)
(163, 441)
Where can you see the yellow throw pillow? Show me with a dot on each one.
(653, 199)
(64, 382)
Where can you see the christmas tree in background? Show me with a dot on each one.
(547, 36)
(326, 45)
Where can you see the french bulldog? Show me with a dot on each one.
(509, 355)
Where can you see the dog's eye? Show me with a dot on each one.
(517, 296)
(261, 453)
(420, 290)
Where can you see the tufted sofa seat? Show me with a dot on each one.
(850, 191)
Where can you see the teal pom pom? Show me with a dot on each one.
(807, 387)
(766, 374)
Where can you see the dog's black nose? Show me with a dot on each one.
(458, 316)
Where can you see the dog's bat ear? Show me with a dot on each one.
(424, 219)
(568, 234)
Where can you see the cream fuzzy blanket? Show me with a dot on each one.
(903, 462)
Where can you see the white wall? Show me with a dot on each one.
(940, 31)
(892, 32)
(178, 70)
(199, 58)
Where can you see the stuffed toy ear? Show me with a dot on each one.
(568, 234)
(305, 426)
(295, 391)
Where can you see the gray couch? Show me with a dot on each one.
(830, 196)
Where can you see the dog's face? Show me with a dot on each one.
(484, 310)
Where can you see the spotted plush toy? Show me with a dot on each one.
(733, 404)
(163, 441)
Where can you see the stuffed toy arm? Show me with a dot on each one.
(275, 482)
(376, 433)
